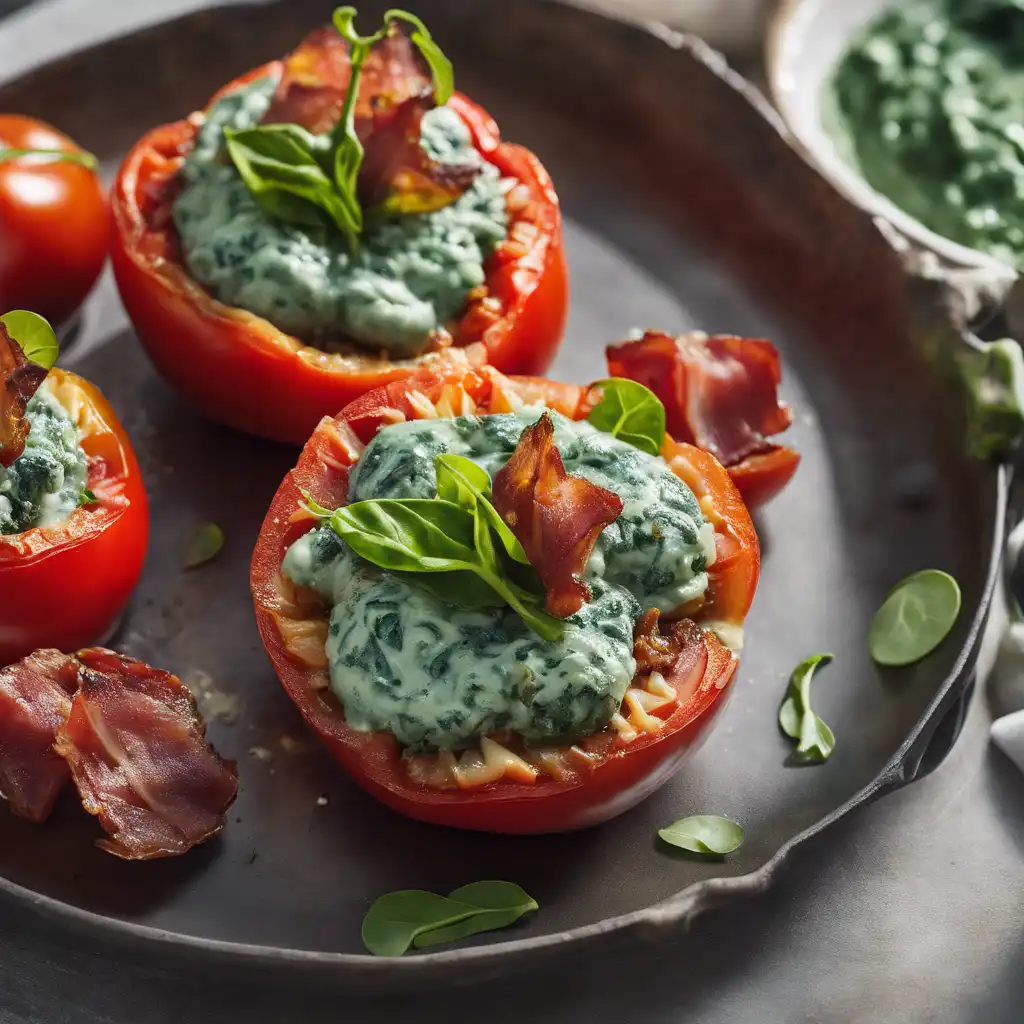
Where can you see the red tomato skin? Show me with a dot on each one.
(65, 586)
(374, 759)
(54, 224)
(759, 478)
(240, 370)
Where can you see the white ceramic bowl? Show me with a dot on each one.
(805, 41)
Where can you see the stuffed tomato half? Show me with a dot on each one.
(74, 522)
(505, 603)
(332, 222)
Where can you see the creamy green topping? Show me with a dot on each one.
(928, 104)
(409, 278)
(440, 677)
(42, 486)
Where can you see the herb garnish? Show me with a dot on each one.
(815, 740)
(204, 545)
(34, 336)
(915, 618)
(413, 917)
(452, 533)
(704, 833)
(630, 412)
(85, 497)
(311, 180)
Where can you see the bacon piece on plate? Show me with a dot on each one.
(35, 698)
(19, 381)
(721, 394)
(556, 517)
(316, 76)
(134, 742)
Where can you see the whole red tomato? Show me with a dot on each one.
(615, 771)
(54, 222)
(241, 370)
(65, 585)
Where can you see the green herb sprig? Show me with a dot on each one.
(815, 740)
(630, 412)
(85, 497)
(416, 918)
(708, 834)
(458, 532)
(312, 180)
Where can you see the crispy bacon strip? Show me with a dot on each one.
(657, 648)
(19, 381)
(398, 175)
(316, 76)
(35, 699)
(556, 517)
(720, 393)
(396, 90)
(134, 742)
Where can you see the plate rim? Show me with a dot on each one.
(659, 920)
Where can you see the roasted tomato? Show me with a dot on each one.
(721, 394)
(65, 585)
(240, 369)
(506, 786)
(54, 220)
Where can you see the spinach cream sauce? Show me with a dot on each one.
(409, 278)
(42, 486)
(441, 677)
(928, 105)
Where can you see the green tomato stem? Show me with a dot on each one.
(83, 159)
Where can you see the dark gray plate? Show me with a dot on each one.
(685, 208)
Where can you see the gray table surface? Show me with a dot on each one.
(907, 911)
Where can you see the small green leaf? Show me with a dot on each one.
(278, 165)
(630, 412)
(85, 497)
(410, 535)
(915, 618)
(204, 545)
(34, 336)
(815, 740)
(704, 833)
(994, 376)
(464, 482)
(440, 66)
(54, 156)
(410, 917)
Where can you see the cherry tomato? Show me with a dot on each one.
(65, 585)
(241, 370)
(615, 775)
(54, 223)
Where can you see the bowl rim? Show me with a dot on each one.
(784, 27)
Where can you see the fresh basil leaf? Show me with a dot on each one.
(500, 903)
(704, 833)
(411, 535)
(630, 412)
(410, 917)
(33, 335)
(815, 740)
(279, 167)
(915, 618)
(440, 66)
(204, 545)
(85, 497)
(54, 156)
(464, 482)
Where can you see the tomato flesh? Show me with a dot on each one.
(622, 775)
(65, 585)
(241, 370)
